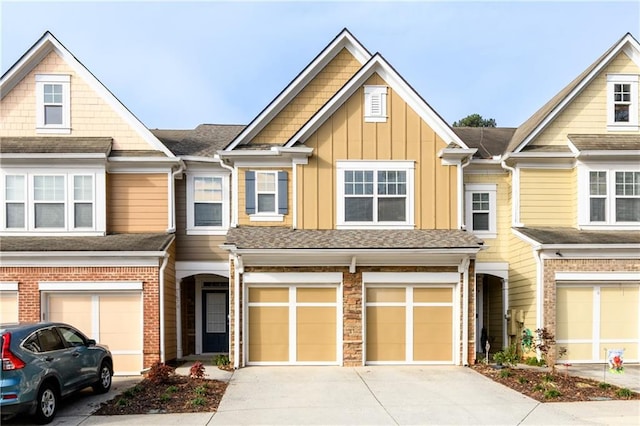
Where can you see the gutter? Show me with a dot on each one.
(234, 192)
(237, 261)
(515, 193)
(464, 266)
(172, 196)
(461, 209)
(161, 303)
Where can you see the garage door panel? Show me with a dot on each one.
(433, 295)
(386, 333)
(386, 294)
(578, 351)
(127, 363)
(268, 334)
(8, 306)
(269, 295)
(432, 333)
(121, 322)
(619, 313)
(74, 309)
(574, 313)
(316, 334)
(316, 295)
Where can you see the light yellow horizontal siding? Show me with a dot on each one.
(548, 197)
(587, 113)
(90, 114)
(137, 203)
(522, 280)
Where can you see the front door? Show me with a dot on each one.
(215, 321)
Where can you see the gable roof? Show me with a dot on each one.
(344, 40)
(203, 141)
(48, 43)
(378, 65)
(489, 141)
(528, 130)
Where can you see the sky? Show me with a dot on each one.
(179, 64)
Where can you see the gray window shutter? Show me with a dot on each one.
(250, 191)
(283, 197)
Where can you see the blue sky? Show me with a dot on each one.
(179, 64)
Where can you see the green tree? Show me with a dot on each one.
(475, 120)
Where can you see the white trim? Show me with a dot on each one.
(632, 81)
(411, 277)
(292, 277)
(372, 93)
(9, 286)
(477, 188)
(266, 217)
(498, 269)
(342, 40)
(597, 276)
(64, 80)
(188, 268)
(377, 64)
(89, 285)
(191, 229)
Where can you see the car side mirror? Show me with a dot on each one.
(91, 342)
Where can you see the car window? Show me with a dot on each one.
(72, 337)
(50, 340)
(32, 344)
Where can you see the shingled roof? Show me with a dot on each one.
(203, 141)
(263, 237)
(55, 145)
(113, 242)
(606, 142)
(489, 141)
(552, 235)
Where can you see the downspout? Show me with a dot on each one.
(537, 251)
(237, 270)
(234, 193)
(161, 303)
(505, 307)
(462, 165)
(464, 269)
(172, 196)
(179, 318)
(515, 193)
(294, 196)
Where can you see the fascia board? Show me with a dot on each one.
(626, 155)
(379, 65)
(351, 252)
(48, 43)
(533, 243)
(84, 258)
(627, 40)
(57, 156)
(343, 40)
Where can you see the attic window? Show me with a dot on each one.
(375, 104)
(53, 101)
(622, 102)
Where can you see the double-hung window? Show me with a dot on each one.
(375, 194)
(53, 103)
(207, 203)
(610, 197)
(266, 195)
(49, 202)
(480, 216)
(622, 102)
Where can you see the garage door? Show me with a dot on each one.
(292, 325)
(114, 319)
(593, 318)
(409, 324)
(8, 306)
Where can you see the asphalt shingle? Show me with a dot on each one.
(112, 242)
(558, 235)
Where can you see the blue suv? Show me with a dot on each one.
(44, 362)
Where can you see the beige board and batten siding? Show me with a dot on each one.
(587, 113)
(522, 281)
(548, 197)
(310, 99)
(91, 116)
(244, 218)
(137, 203)
(194, 247)
(404, 136)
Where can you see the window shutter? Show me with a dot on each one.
(250, 192)
(283, 196)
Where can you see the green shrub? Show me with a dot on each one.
(507, 356)
(552, 393)
(548, 378)
(172, 389)
(523, 380)
(165, 397)
(221, 360)
(533, 361)
(199, 401)
(603, 385)
(538, 387)
(624, 393)
(505, 373)
(201, 390)
(122, 402)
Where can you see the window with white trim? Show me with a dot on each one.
(375, 103)
(480, 212)
(207, 203)
(53, 103)
(266, 195)
(609, 196)
(51, 201)
(375, 194)
(622, 102)
(266, 192)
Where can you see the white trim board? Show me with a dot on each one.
(90, 286)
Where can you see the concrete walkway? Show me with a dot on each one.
(369, 395)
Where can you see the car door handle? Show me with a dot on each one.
(48, 358)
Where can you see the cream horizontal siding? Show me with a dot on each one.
(548, 197)
(315, 94)
(90, 114)
(404, 136)
(587, 113)
(522, 280)
(137, 203)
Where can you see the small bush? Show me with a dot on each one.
(221, 360)
(624, 393)
(533, 361)
(197, 370)
(122, 402)
(538, 387)
(552, 393)
(523, 380)
(199, 401)
(548, 378)
(165, 397)
(172, 389)
(201, 390)
(160, 373)
(505, 373)
(603, 385)
(508, 356)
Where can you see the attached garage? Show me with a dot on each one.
(410, 322)
(8, 302)
(592, 318)
(113, 318)
(293, 323)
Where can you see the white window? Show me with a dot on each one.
(622, 102)
(53, 99)
(480, 216)
(52, 202)
(609, 196)
(375, 103)
(375, 194)
(266, 192)
(266, 195)
(207, 203)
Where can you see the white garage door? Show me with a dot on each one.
(593, 318)
(113, 319)
(8, 306)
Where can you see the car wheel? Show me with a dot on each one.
(104, 380)
(47, 404)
